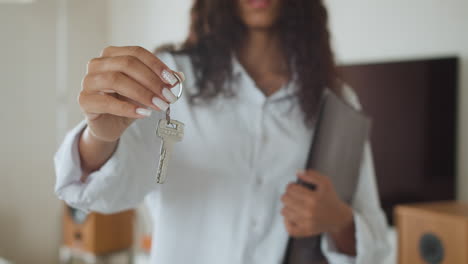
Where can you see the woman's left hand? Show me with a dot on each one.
(311, 212)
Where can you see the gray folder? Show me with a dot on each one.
(336, 151)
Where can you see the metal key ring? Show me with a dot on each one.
(180, 84)
(168, 110)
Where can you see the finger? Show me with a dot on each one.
(132, 67)
(298, 205)
(299, 195)
(292, 228)
(181, 75)
(148, 58)
(107, 104)
(312, 177)
(299, 191)
(120, 83)
(293, 224)
(292, 215)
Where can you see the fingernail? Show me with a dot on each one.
(160, 103)
(169, 95)
(143, 111)
(300, 172)
(181, 75)
(169, 77)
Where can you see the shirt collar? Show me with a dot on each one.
(248, 87)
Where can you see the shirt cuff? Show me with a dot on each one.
(331, 252)
(68, 186)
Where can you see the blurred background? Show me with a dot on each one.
(45, 45)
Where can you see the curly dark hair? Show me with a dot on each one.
(216, 34)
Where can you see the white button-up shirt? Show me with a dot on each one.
(221, 201)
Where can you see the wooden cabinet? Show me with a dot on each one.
(432, 233)
(96, 233)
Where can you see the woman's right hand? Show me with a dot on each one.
(122, 85)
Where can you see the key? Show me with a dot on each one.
(170, 132)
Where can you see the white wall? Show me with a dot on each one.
(375, 30)
(30, 223)
(147, 23)
(29, 215)
(87, 36)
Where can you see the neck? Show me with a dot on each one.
(261, 51)
(262, 57)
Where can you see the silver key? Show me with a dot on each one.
(170, 132)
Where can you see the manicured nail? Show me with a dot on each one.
(301, 172)
(169, 77)
(169, 95)
(143, 111)
(160, 103)
(181, 75)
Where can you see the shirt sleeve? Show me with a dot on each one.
(122, 182)
(370, 222)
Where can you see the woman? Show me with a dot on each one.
(255, 71)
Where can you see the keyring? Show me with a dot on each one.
(168, 110)
(180, 84)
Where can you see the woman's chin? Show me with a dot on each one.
(260, 24)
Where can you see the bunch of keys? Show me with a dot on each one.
(170, 131)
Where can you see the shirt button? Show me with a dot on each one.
(254, 223)
(259, 181)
